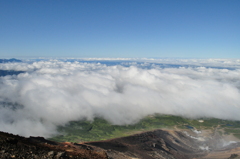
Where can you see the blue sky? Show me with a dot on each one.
(120, 28)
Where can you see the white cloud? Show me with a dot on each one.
(53, 93)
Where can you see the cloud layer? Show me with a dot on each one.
(52, 93)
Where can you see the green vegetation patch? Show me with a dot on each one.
(100, 129)
(237, 135)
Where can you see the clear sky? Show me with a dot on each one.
(120, 28)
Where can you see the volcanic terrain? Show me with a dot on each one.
(160, 144)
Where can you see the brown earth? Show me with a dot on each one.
(14, 146)
(151, 145)
(169, 144)
(157, 144)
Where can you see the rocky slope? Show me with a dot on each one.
(13, 146)
(160, 144)
(153, 144)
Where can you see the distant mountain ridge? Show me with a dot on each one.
(9, 72)
(9, 60)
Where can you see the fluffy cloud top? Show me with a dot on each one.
(52, 93)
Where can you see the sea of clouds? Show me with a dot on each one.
(53, 92)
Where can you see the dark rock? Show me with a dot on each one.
(51, 153)
(60, 154)
(14, 146)
(233, 156)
